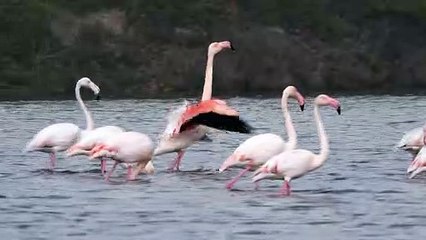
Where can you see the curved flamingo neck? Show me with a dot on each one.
(322, 156)
(208, 80)
(291, 132)
(87, 114)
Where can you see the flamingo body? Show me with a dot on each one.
(212, 113)
(289, 164)
(412, 141)
(92, 138)
(54, 138)
(126, 147)
(257, 149)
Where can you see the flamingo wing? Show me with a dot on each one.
(212, 113)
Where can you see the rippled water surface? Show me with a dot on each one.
(361, 192)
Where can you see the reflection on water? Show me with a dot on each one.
(360, 193)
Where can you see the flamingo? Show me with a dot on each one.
(418, 164)
(60, 136)
(296, 163)
(126, 147)
(189, 123)
(256, 150)
(412, 141)
(92, 138)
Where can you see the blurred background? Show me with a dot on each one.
(157, 48)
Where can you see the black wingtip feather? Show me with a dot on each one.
(221, 122)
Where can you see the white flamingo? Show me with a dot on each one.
(60, 136)
(418, 164)
(92, 138)
(187, 124)
(412, 141)
(256, 150)
(296, 163)
(126, 147)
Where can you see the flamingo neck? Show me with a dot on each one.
(320, 159)
(87, 114)
(208, 80)
(291, 132)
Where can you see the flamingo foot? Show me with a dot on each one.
(256, 186)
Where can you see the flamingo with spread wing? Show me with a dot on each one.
(188, 124)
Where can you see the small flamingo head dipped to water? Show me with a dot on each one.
(216, 47)
(291, 91)
(324, 100)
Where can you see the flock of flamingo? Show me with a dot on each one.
(267, 154)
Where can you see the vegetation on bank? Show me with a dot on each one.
(156, 48)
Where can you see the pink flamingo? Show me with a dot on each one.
(60, 136)
(126, 147)
(296, 163)
(92, 138)
(256, 150)
(418, 164)
(187, 124)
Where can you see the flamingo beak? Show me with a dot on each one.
(232, 47)
(338, 110)
(97, 97)
(75, 152)
(302, 107)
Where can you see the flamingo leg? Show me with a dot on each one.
(103, 166)
(285, 189)
(129, 172)
(176, 162)
(231, 183)
(52, 162)
(110, 172)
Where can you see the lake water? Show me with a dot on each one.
(362, 191)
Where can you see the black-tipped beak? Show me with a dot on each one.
(98, 97)
(339, 110)
(232, 47)
(302, 107)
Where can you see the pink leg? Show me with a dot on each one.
(285, 189)
(256, 186)
(110, 172)
(176, 162)
(103, 166)
(129, 173)
(231, 183)
(52, 161)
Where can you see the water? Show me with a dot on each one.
(361, 192)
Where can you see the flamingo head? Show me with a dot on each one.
(86, 82)
(291, 91)
(76, 150)
(232, 160)
(102, 151)
(216, 47)
(325, 100)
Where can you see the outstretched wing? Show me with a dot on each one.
(212, 113)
